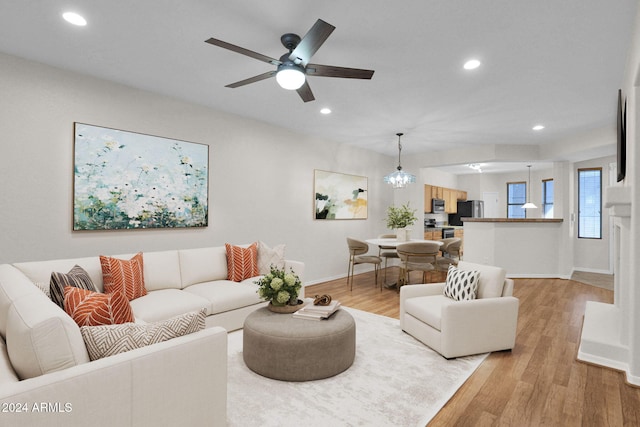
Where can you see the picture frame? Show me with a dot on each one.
(130, 180)
(340, 196)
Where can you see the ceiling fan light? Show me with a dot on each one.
(290, 78)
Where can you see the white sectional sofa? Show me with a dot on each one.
(46, 378)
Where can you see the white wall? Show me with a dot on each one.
(261, 176)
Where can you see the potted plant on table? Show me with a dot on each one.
(281, 289)
(399, 218)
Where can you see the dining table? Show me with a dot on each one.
(391, 243)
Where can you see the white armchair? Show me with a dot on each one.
(461, 328)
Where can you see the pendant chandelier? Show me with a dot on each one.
(529, 205)
(399, 178)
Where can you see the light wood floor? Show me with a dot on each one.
(540, 382)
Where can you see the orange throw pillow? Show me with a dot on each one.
(123, 276)
(242, 263)
(89, 308)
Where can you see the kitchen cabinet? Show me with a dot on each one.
(433, 235)
(437, 192)
(450, 201)
(449, 195)
(427, 199)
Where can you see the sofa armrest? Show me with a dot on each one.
(182, 381)
(487, 323)
(412, 291)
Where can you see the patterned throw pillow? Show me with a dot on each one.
(76, 277)
(124, 276)
(270, 256)
(93, 308)
(461, 284)
(103, 341)
(242, 263)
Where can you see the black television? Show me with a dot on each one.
(622, 137)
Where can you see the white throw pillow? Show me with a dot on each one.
(270, 256)
(107, 340)
(461, 285)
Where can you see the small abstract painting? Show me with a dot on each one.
(128, 180)
(340, 196)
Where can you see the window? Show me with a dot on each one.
(516, 197)
(589, 203)
(547, 198)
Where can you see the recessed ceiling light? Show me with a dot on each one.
(325, 110)
(538, 127)
(471, 64)
(74, 18)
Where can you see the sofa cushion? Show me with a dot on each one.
(42, 338)
(490, 281)
(162, 270)
(88, 308)
(242, 263)
(202, 265)
(165, 304)
(13, 285)
(270, 256)
(126, 276)
(40, 271)
(428, 309)
(461, 284)
(76, 277)
(107, 340)
(7, 374)
(225, 295)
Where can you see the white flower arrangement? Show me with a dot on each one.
(279, 287)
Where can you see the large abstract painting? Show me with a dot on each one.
(127, 180)
(340, 196)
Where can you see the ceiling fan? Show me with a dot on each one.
(293, 67)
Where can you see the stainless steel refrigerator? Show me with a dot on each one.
(467, 209)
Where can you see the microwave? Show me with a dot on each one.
(437, 205)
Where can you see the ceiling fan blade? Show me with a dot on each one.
(243, 51)
(252, 79)
(343, 72)
(305, 92)
(311, 42)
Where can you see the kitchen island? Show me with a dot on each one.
(525, 247)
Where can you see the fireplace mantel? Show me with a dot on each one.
(619, 200)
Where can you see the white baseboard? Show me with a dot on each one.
(590, 270)
(538, 276)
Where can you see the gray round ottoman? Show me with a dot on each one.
(282, 347)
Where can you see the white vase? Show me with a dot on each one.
(402, 234)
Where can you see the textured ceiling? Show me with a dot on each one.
(559, 63)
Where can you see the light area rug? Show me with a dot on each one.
(394, 381)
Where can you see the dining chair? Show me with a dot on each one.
(417, 256)
(357, 251)
(450, 253)
(386, 252)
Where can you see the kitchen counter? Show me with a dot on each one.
(525, 247)
(512, 220)
(456, 227)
